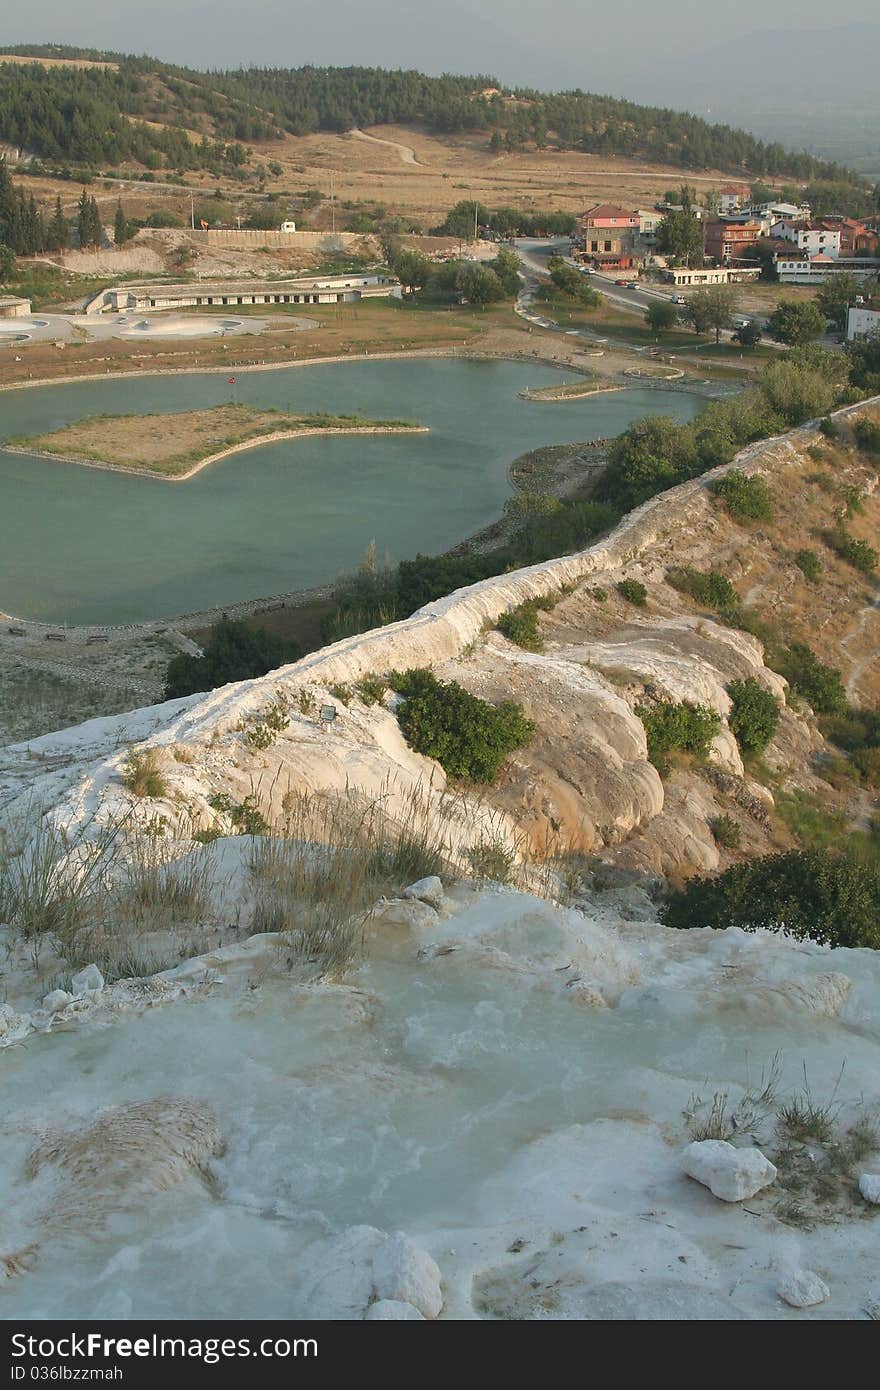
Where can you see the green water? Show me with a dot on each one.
(80, 545)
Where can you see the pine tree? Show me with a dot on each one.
(82, 219)
(58, 235)
(120, 226)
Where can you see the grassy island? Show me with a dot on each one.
(177, 446)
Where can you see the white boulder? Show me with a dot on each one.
(338, 1283)
(730, 1174)
(869, 1186)
(403, 1273)
(56, 1000)
(89, 980)
(410, 912)
(426, 890)
(802, 1288)
(389, 1310)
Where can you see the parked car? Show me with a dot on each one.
(625, 283)
(679, 299)
(632, 285)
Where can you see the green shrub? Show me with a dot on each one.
(600, 594)
(809, 564)
(712, 589)
(633, 592)
(754, 714)
(673, 728)
(469, 737)
(829, 428)
(859, 554)
(141, 774)
(726, 831)
(747, 499)
(246, 816)
(867, 760)
(820, 685)
(371, 688)
(867, 435)
(520, 624)
(491, 860)
(815, 894)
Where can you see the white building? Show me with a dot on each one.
(816, 241)
(711, 275)
(861, 323)
(733, 197)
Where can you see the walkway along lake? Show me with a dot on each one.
(81, 545)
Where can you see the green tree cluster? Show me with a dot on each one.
(814, 894)
(233, 651)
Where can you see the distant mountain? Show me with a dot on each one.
(815, 90)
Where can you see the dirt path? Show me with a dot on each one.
(407, 155)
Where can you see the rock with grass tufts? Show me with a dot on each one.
(391, 1310)
(404, 1273)
(869, 1186)
(89, 980)
(802, 1288)
(730, 1174)
(426, 890)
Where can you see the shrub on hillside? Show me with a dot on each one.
(754, 714)
(234, 651)
(633, 592)
(747, 499)
(469, 737)
(825, 897)
(726, 832)
(520, 624)
(867, 435)
(710, 588)
(809, 564)
(674, 728)
(859, 554)
(819, 684)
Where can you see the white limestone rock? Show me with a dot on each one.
(57, 1000)
(390, 1310)
(869, 1186)
(730, 1174)
(339, 1282)
(410, 913)
(89, 980)
(403, 1273)
(802, 1288)
(426, 890)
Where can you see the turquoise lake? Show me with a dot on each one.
(80, 545)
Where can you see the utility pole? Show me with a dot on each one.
(192, 210)
(332, 208)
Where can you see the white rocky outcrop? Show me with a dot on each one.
(869, 1186)
(89, 980)
(427, 890)
(389, 1310)
(404, 1273)
(730, 1174)
(802, 1288)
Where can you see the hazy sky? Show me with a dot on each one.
(551, 43)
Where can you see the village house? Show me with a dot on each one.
(816, 238)
(732, 197)
(862, 322)
(728, 239)
(610, 230)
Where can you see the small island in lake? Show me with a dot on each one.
(176, 446)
